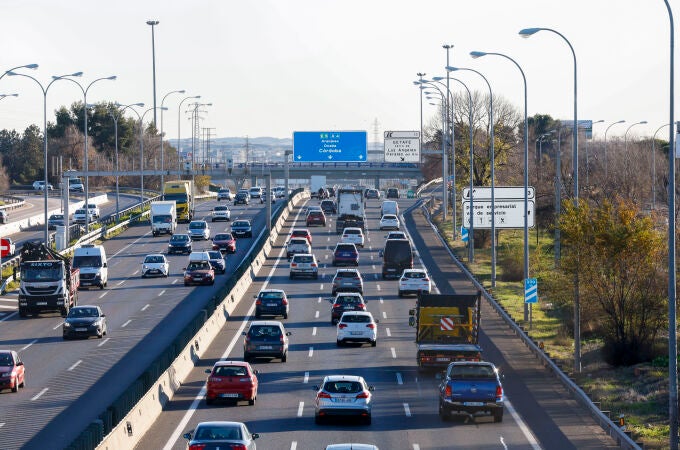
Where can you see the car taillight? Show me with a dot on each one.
(284, 301)
(448, 392)
(361, 306)
(196, 446)
(216, 247)
(323, 395)
(293, 264)
(499, 393)
(313, 264)
(281, 339)
(342, 325)
(426, 279)
(357, 278)
(371, 326)
(237, 447)
(336, 305)
(364, 394)
(258, 302)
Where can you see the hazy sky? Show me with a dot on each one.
(271, 67)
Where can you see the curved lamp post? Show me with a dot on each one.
(606, 171)
(162, 146)
(654, 166)
(3, 96)
(115, 123)
(477, 54)
(493, 172)
(141, 148)
(85, 151)
(25, 66)
(625, 135)
(588, 157)
(179, 122)
(44, 90)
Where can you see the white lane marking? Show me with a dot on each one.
(28, 345)
(400, 380)
(293, 445)
(181, 426)
(39, 394)
(10, 300)
(300, 408)
(387, 332)
(9, 316)
(319, 300)
(130, 245)
(135, 272)
(416, 447)
(394, 353)
(321, 287)
(328, 238)
(384, 315)
(325, 256)
(306, 378)
(76, 364)
(373, 267)
(522, 426)
(58, 325)
(407, 410)
(382, 300)
(503, 443)
(372, 257)
(161, 292)
(145, 307)
(106, 292)
(311, 351)
(314, 331)
(2, 424)
(175, 280)
(103, 342)
(126, 324)
(375, 275)
(316, 316)
(120, 282)
(377, 286)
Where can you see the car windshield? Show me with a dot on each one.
(230, 371)
(179, 238)
(154, 259)
(355, 318)
(162, 219)
(80, 211)
(218, 432)
(6, 360)
(303, 259)
(83, 312)
(223, 237)
(198, 265)
(472, 371)
(41, 274)
(343, 387)
(57, 217)
(197, 225)
(215, 255)
(87, 261)
(221, 208)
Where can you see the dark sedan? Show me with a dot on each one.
(199, 272)
(241, 228)
(345, 254)
(54, 221)
(224, 242)
(224, 435)
(84, 321)
(242, 198)
(329, 207)
(180, 243)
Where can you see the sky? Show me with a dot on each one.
(271, 67)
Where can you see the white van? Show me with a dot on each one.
(389, 207)
(91, 260)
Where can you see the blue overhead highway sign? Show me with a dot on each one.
(330, 146)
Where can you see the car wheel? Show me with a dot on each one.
(186, 284)
(318, 420)
(443, 413)
(284, 358)
(290, 276)
(338, 343)
(498, 416)
(285, 316)
(316, 276)
(208, 401)
(251, 402)
(257, 315)
(367, 420)
(23, 383)
(212, 282)
(16, 387)
(374, 343)
(400, 294)
(246, 357)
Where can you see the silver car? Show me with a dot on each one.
(198, 229)
(343, 396)
(347, 280)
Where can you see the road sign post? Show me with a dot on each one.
(531, 296)
(464, 236)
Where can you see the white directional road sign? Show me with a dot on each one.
(402, 146)
(500, 193)
(509, 214)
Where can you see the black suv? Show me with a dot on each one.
(392, 193)
(346, 301)
(329, 207)
(271, 302)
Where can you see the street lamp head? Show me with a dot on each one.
(452, 69)
(477, 54)
(163, 108)
(141, 105)
(181, 91)
(12, 74)
(112, 77)
(75, 74)
(29, 66)
(642, 122)
(152, 22)
(527, 32)
(598, 121)
(438, 78)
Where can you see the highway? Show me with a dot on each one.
(539, 412)
(70, 383)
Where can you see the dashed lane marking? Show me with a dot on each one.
(103, 342)
(145, 307)
(314, 331)
(311, 351)
(306, 378)
(106, 292)
(28, 345)
(126, 324)
(382, 300)
(76, 364)
(161, 292)
(387, 332)
(39, 394)
(394, 353)
(58, 325)
(384, 315)
(407, 410)
(316, 316)
(400, 380)
(175, 280)
(301, 406)
(293, 445)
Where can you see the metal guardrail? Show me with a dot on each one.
(622, 438)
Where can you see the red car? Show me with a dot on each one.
(302, 232)
(316, 218)
(199, 272)
(224, 242)
(12, 372)
(231, 380)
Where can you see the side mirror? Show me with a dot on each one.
(377, 321)
(187, 436)
(412, 321)
(288, 333)
(255, 435)
(381, 253)
(371, 388)
(208, 371)
(20, 363)
(184, 268)
(254, 296)
(243, 333)
(256, 372)
(106, 265)
(103, 315)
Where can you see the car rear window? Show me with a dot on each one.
(263, 331)
(347, 274)
(271, 295)
(300, 241)
(221, 208)
(472, 371)
(303, 259)
(355, 318)
(227, 371)
(343, 387)
(346, 248)
(240, 224)
(350, 231)
(414, 275)
(389, 217)
(222, 237)
(299, 233)
(215, 255)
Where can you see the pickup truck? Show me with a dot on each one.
(297, 245)
(471, 388)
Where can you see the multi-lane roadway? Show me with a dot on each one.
(539, 412)
(69, 383)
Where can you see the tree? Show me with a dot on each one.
(618, 257)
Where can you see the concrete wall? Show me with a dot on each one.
(147, 410)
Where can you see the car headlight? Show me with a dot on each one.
(67, 325)
(97, 322)
(145, 268)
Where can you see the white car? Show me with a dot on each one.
(82, 215)
(279, 191)
(40, 186)
(155, 264)
(413, 281)
(353, 235)
(94, 210)
(198, 229)
(395, 235)
(221, 213)
(357, 326)
(224, 194)
(389, 222)
(255, 192)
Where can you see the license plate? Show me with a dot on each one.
(85, 283)
(271, 304)
(342, 400)
(81, 329)
(265, 347)
(442, 359)
(356, 333)
(473, 403)
(229, 395)
(41, 303)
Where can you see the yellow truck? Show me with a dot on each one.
(182, 192)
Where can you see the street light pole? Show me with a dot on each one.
(421, 75)
(153, 23)
(452, 142)
(654, 166)
(162, 146)
(141, 149)
(526, 169)
(625, 136)
(44, 91)
(606, 170)
(115, 123)
(179, 121)
(493, 173)
(588, 157)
